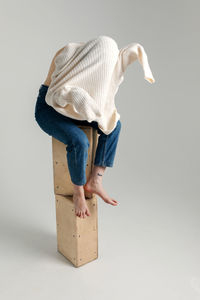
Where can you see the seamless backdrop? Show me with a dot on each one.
(149, 244)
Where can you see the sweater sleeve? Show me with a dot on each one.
(131, 53)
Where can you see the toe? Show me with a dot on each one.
(112, 202)
(87, 213)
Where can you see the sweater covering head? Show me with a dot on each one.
(87, 76)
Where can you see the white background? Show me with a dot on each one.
(149, 244)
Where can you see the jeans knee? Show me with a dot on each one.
(83, 144)
(79, 143)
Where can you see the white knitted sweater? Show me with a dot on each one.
(87, 77)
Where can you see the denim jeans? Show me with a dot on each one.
(65, 129)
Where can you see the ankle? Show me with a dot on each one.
(98, 171)
(96, 177)
(78, 189)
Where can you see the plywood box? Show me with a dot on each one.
(77, 238)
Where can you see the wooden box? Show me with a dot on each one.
(77, 238)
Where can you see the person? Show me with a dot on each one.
(80, 88)
(67, 131)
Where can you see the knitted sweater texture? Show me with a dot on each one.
(87, 76)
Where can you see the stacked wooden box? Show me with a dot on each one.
(77, 238)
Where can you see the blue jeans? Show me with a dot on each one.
(65, 129)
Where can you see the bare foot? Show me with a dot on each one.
(94, 185)
(81, 208)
